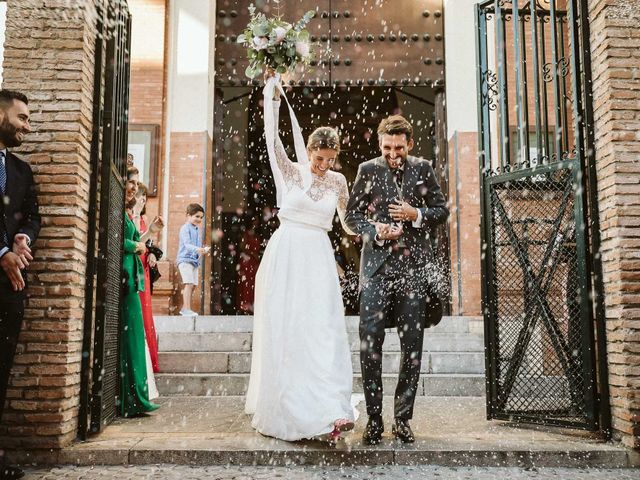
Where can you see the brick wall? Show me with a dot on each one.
(464, 224)
(188, 153)
(615, 47)
(49, 56)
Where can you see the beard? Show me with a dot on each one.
(9, 134)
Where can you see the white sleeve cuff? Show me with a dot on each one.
(378, 240)
(418, 221)
(25, 235)
(3, 251)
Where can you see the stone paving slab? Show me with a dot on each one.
(450, 431)
(391, 472)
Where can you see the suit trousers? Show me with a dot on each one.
(11, 315)
(392, 294)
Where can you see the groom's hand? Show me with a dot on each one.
(388, 232)
(401, 211)
(395, 232)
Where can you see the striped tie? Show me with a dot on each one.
(3, 185)
(3, 173)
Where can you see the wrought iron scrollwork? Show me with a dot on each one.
(490, 81)
(563, 66)
(543, 5)
(547, 72)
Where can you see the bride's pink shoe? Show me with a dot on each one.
(343, 425)
(339, 426)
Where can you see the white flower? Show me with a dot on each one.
(302, 48)
(281, 32)
(260, 43)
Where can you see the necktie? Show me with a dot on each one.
(3, 185)
(3, 173)
(398, 173)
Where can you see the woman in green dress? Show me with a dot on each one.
(134, 390)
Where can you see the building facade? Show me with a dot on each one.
(193, 132)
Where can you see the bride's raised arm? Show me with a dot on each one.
(285, 172)
(343, 199)
(289, 170)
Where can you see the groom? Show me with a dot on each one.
(395, 202)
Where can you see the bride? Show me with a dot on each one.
(301, 376)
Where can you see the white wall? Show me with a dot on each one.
(189, 84)
(212, 66)
(460, 61)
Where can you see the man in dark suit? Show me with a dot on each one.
(395, 202)
(19, 227)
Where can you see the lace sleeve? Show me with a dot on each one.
(288, 168)
(343, 199)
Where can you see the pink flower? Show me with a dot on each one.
(281, 32)
(302, 49)
(260, 43)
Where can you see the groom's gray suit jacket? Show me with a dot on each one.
(374, 189)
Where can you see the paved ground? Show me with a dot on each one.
(316, 473)
(214, 431)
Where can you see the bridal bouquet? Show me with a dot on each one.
(275, 44)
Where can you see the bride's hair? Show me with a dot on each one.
(324, 137)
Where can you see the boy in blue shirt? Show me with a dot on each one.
(189, 253)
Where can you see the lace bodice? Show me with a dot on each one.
(315, 205)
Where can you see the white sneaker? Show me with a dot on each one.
(185, 312)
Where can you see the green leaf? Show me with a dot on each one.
(261, 30)
(250, 72)
(281, 69)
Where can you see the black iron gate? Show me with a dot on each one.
(541, 282)
(99, 388)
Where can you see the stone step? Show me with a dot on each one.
(204, 342)
(241, 342)
(244, 323)
(240, 362)
(205, 431)
(225, 384)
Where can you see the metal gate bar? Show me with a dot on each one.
(99, 385)
(536, 221)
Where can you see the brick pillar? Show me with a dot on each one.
(464, 224)
(49, 54)
(615, 50)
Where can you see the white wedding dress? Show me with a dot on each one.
(301, 375)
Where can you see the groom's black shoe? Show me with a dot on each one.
(402, 431)
(373, 432)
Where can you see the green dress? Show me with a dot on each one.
(134, 390)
